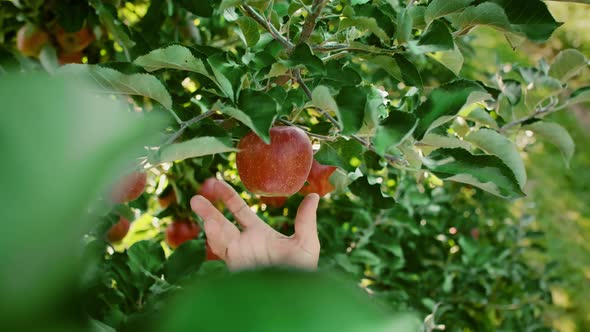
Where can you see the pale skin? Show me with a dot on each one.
(258, 244)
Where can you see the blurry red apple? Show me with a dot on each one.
(210, 255)
(207, 190)
(118, 231)
(66, 58)
(275, 202)
(318, 180)
(276, 169)
(72, 42)
(128, 188)
(475, 233)
(30, 40)
(181, 231)
(167, 199)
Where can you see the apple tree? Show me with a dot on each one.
(415, 150)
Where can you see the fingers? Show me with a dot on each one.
(306, 220)
(220, 232)
(235, 204)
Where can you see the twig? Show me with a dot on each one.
(187, 124)
(299, 79)
(541, 111)
(269, 27)
(318, 136)
(311, 20)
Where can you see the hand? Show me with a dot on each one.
(258, 244)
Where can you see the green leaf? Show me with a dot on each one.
(184, 261)
(196, 147)
(340, 153)
(111, 81)
(309, 295)
(199, 8)
(436, 38)
(541, 89)
(249, 29)
(440, 8)
(108, 17)
(145, 257)
(257, 111)
(351, 109)
(479, 115)
(452, 59)
(445, 100)
(404, 26)
(364, 24)
(432, 141)
(86, 139)
(487, 13)
(409, 73)
(512, 90)
(172, 57)
(496, 144)
(322, 98)
(371, 194)
(393, 130)
(72, 14)
(556, 135)
(530, 17)
(568, 63)
(302, 55)
(581, 95)
(223, 71)
(486, 172)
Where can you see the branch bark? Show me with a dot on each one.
(539, 112)
(249, 11)
(188, 123)
(311, 20)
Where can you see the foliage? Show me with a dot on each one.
(426, 148)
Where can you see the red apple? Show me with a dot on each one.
(208, 191)
(72, 42)
(181, 231)
(65, 58)
(275, 202)
(210, 255)
(475, 233)
(318, 180)
(128, 188)
(30, 40)
(118, 230)
(276, 169)
(167, 199)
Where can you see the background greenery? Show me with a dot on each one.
(451, 253)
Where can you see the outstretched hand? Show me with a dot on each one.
(258, 244)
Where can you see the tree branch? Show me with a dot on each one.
(311, 20)
(249, 11)
(187, 124)
(318, 136)
(539, 112)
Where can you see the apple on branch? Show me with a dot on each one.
(318, 180)
(276, 169)
(180, 231)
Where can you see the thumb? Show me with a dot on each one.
(306, 220)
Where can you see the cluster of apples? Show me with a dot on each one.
(274, 171)
(283, 167)
(31, 39)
